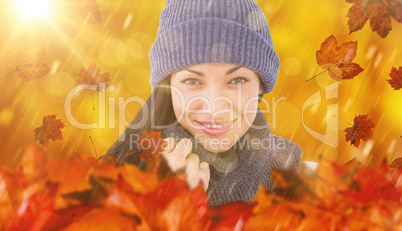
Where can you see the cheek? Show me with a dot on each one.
(249, 102)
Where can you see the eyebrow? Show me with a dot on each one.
(227, 72)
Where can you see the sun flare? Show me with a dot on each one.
(33, 8)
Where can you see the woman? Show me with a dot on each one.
(210, 66)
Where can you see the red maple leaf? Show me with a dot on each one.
(92, 78)
(50, 129)
(378, 11)
(396, 78)
(360, 130)
(337, 60)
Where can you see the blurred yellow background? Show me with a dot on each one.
(120, 45)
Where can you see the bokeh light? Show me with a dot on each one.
(33, 8)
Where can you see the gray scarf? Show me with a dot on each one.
(237, 173)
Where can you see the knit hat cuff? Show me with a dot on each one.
(213, 40)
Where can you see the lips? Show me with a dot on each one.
(215, 127)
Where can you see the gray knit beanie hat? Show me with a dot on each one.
(213, 31)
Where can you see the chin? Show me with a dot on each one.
(217, 148)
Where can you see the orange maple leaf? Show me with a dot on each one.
(337, 60)
(93, 78)
(50, 129)
(151, 144)
(378, 11)
(396, 78)
(25, 59)
(360, 130)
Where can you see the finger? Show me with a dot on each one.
(193, 159)
(192, 173)
(184, 146)
(169, 144)
(205, 174)
(204, 167)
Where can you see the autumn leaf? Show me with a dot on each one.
(39, 212)
(397, 163)
(76, 193)
(378, 11)
(50, 129)
(32, 162)
(111, 219)
(92, 78)
(150, 144)
(361, 129)
(25, 59)
(13, 186)
(351, 197)
(373, 184)
(396, 78)
(337, 60)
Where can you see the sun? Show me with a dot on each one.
(33, 8)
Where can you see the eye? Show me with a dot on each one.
(239, 80)
(189, 81)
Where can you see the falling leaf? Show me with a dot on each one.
(50, 129)
(337, 60)
(397, 163)
(378, 11)
(396, 78)
(92, 78)
(361, 130)
(25, 59)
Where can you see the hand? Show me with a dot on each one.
(179, 156)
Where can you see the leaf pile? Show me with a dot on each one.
(337, 197)
(79, 192)
(85, 193)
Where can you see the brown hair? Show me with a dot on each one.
(158, 106)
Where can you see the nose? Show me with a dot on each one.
(219, 103)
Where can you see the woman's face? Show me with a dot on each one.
(210, 94)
